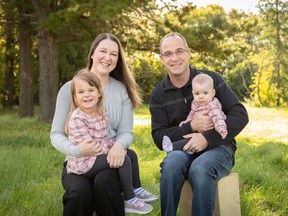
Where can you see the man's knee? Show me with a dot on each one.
(174, 164)
(200, 173)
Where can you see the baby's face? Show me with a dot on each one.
(203, 93)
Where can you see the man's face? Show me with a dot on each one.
(175, 55)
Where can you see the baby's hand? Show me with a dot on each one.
(223, 133)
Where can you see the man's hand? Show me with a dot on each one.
(202, 122)
(197, 143)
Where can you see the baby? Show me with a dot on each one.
(204, 98)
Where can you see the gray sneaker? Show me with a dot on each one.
(146, 196)
(139, 207)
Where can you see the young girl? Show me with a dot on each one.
(203, 92)
(87, 120)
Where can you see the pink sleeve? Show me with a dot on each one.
(218, 117)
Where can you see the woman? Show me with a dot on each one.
(82, 196)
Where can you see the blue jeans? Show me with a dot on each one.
(203, 171)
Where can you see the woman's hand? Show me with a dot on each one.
(116, 155)
(90, 148)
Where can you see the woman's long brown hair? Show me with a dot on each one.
(122, 71)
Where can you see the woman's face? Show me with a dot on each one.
(105, 57)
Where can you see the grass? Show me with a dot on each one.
(30, 167)
(262, 162)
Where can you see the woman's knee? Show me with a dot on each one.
(79, 192)
(132, 154)
(78, 201)
(127, 161)
(106, 178)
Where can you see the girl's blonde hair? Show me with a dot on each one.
(122, 71)
(92, 80)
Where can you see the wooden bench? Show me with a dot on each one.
(227, 200)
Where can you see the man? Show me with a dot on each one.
(213, 157)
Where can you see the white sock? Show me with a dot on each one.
(167, 144)
(133, 200)
(138, 190)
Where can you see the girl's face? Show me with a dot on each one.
(86, 97)
(203, 93)
(105, 57)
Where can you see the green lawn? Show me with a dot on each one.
(30, 167)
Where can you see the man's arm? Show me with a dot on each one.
(161, 121)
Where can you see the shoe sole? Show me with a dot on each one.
(127, 210)
(149, 200)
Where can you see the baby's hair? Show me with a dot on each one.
(92, 80)
(202, 78)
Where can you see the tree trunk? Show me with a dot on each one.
(26, 102)
(48, 62)
(8, 93)
(49, 77)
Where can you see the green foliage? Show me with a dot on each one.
(72, 57)
(275, 17)
(239, 80)
(140, 27)
(66, 13)
(225, 43)
(205, 30)
(263, 87)
(148, 71)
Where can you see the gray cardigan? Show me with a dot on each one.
(118, 109)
